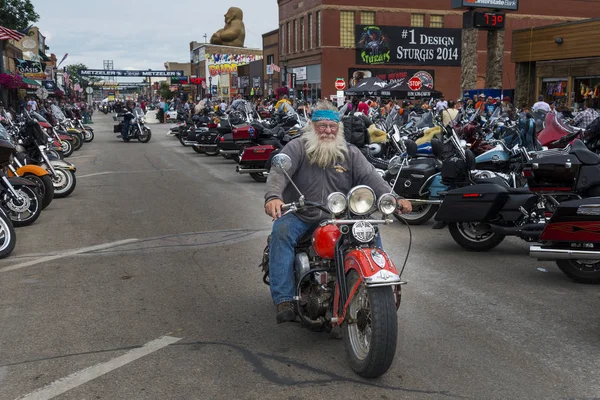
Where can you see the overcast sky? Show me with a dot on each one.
(137, 37)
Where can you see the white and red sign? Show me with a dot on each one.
(415, 83)
(340, 84)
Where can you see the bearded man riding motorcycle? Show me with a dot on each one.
(322, 163)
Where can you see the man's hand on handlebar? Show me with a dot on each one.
(404, 207)
(273, 208)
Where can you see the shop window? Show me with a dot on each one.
(347, 28)
(318, 28)
(436, 21)
(555, 90)
(302, 34)
(295, 36)
(367, 17)
(310, 31)
(282, 31)
(270, 59)
(587, 88)
(417, 19)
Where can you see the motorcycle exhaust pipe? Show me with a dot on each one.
(188, 143)
(250, 170)
(543, 253)
(231, 152)
(527, 230)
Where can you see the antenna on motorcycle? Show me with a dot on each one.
(283, 162)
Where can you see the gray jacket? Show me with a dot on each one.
(317, 183)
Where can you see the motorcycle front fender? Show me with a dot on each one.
(373, 265)
(31, 169)
(65, 137)
(73, 131)
(16, 180)
(63, 165)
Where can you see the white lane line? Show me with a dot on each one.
(67, 254)
(79, 378)
(127, 172)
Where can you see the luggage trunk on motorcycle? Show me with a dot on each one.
(244, 132)
(552, 173)
(472, 203)
(574, 221)
(413, 176)
(256, 155)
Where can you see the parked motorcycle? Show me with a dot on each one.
(343, 279)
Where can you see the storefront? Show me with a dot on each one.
(560, 62)
(306, 82)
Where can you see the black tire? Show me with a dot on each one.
(77, 142)
(146, 136)
(580, 271)
(88, 135)
(259, 176)
(236, 158)
(420, 214)
(8, 237)
(64, 183)
(183, 139)
(44, 187)
(211, 153)
(67, 148)
(23, 215)
(198, 150)
(469, 242)
(226, 156)
(375, 360)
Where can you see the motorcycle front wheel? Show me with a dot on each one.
(259, 176)
(144, 136)
(26, 209)
(64, 183)
(67, 148)
(77, 142)
(8, 237)
(371, 336)
(474, 236)
(581, 271)
(88, 135)
(44, 187)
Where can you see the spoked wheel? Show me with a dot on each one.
(419, 215)
(88, 135)
(474, 236)
(64, 183)
(259, 176)
(145, 135)
(44, 187)
(25, 209)
(67, 148)
(371, 329)
(77, 142)
(56, 154)
(8, 238)
(582, 271)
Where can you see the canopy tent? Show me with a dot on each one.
(401, 90)
(366, 87)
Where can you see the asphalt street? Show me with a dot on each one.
(144, 284)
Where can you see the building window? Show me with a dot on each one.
(289, 39)
(367, 17)
(302, 34)
(436, 21)
(282, 30)
(310, 31)
(270, 59)
(295, 36)
(318, 28)
(347, 28)
(417, 19)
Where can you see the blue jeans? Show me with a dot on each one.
(286, 232)
(125, 130)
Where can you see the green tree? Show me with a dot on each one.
(164, 90)
(74, 76)
(17, 14)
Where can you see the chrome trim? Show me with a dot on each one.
(395, 283)
(543, 253)
(353, 190)
(354, 221)
(250, 170)
(368, 259)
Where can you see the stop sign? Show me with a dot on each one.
(415, 83)
(340, 84)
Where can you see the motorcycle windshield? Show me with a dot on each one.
(3, 133)
(57, 113)
(138, 112)
(38, 117)
(562, 124)
(426, 121)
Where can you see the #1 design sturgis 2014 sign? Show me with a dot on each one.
(388, 45)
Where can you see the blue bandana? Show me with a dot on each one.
(322, 115)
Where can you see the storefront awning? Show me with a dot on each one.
(30, 81)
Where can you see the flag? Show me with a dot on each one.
(63, 59)
(6, 33)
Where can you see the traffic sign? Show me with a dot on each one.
(89, 90)
(415, 83)
(340, 84)
(42, 93)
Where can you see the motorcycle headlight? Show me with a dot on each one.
(387, 203)
(361, 200)
(336, 203)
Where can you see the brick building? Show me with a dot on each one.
(317, 38)
(270, 77)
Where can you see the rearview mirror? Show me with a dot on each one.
(282, 161)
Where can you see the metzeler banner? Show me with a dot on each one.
(389, 45)
(120, 72)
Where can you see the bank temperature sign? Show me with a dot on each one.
(397, 45)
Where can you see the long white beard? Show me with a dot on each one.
(325, 153)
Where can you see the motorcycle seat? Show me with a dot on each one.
(496, 180)
(579, 150)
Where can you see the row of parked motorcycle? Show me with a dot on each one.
(34, 146)
(533, 176)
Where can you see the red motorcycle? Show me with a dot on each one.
(557, 133)
(343, 279)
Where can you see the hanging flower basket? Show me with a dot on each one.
(11, 81)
